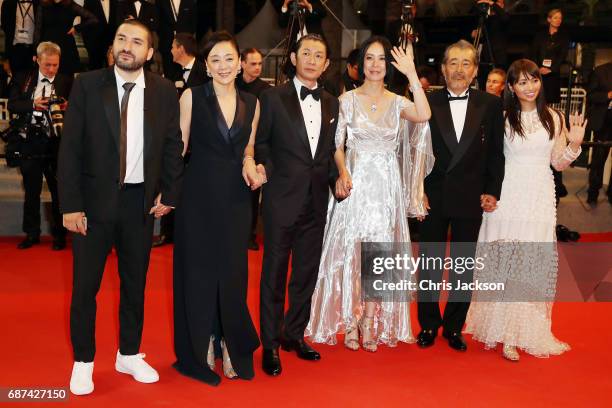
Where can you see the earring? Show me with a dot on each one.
(239, 70)
(208, 73)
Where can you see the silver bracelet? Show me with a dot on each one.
(414, 88)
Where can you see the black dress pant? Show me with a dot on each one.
(32, 169)
(303, 240)
(254, 211)
(599, 157)
(131, 234)
(433, 235)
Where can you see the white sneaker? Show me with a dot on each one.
(136, 367)
(81, 382)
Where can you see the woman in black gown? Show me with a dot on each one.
(213, 222)
(56, 24)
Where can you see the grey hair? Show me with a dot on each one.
(48, 48)
(461, 45)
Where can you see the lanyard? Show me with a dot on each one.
(26, 14)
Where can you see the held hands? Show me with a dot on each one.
(75, 222)
(403, 60)
(254, 176)
(426, 205)
(576, 130)
(488, 202)
(159, 209)
(344, 185)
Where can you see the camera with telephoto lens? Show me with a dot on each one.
(484, 8)
(50, 122)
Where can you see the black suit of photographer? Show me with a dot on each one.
(39, 151)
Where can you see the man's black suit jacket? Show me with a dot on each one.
(600, 83)
(23, 86)
(186, 21)
(88, 168)
(473, 166)
(197, 76)
(102, 34)
(148, 13)
(282, 146)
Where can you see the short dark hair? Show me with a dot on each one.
(248, 51)
(188, 42)
(216, 38)
(353, 57)
(136, 23)
(289, 68)
(386, 46)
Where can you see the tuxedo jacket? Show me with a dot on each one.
(148, 13)
(186, 21)
(600, 83)
(103, 33)
(88, 166)
(473, 166)
(8, 17)
(282, 146)
(23, 86)
(197, 76)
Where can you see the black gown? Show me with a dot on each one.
(212, 230)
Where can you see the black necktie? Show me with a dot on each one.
(128, 86)
(316, 93)
(457, 98)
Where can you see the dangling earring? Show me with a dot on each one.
(208, 73)
(239, 70)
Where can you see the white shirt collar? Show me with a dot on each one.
(140, 79)
(451, 93)
(190, 65)
(41, 76)
(298, 84)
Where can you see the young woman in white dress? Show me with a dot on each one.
(376, 127)
(519, 237)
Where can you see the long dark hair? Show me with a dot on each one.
(389, 70)
(525, 68)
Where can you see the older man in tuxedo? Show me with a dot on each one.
(120, 162)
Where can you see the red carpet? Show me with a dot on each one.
(35, 351)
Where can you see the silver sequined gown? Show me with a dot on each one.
(375, 211)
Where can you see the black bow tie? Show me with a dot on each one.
(47, 80)
(316, 93)
(185, 70)
(457, 98)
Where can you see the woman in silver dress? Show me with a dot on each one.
(383, 148)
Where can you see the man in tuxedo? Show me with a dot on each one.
(467, 131)
(184, 49)
(295, 143)
(120, 162)
(251, 64)
(18, 21)
(600, 120)
(175, 16)
(29, 98)
(99, 37)
(140, 10)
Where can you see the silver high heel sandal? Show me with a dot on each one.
(368, 333)
(510, 353)
(351, 338)
(228, 370)
(210, 356)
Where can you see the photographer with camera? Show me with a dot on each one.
(37, 97)
(312, 14)
(492, 22)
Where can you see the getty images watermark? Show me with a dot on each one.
(494, 272)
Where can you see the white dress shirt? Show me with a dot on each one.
(41, 86)
(134, 164)
(458, 112)
(176, 8)
(24, 24)
(137, 6)
(189, 67)
(106, 9)
(311, 110)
